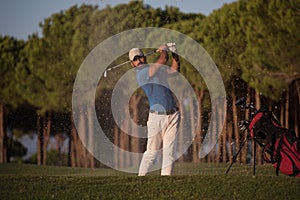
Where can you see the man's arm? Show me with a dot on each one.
(162, 60)
(175, 66)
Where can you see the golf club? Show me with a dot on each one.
(119, 65)
(171, 46)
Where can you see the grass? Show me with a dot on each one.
(192, 181)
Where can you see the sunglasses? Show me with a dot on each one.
(137, 58)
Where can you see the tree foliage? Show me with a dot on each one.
(10, 49)
(224, 39)
(271, 60)
(256, 41)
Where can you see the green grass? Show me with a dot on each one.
(192, 181)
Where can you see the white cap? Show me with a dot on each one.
(135, 52)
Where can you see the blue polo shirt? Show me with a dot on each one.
(156, 88)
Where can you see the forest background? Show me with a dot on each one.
(255, 45)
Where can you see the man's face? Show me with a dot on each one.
(138, 60)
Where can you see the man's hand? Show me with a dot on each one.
(164, 57)
(162, 48)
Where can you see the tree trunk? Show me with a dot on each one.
(225, 140)
(220, 138)
(199, 132)
(127, 142)
(135, 141)
(45, 137)
(235, 123)
(296, 118)
(181, 133)
(221, 130)
(70, 164)
(282, 113)
(257, 100)
(194, 143)
(258, 147)
(81, 156)
(3, 135)
(47, 131)
(73, 147)
(212, 154)
(40, 140)
(117, 144)
(297, 104)
(287, 101)
(90, 138)
(244, 151)
(230, 141)
(124, 143)
(2, 143)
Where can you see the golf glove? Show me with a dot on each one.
(172, 47)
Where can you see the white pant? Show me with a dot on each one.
(162, 130)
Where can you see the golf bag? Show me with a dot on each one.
(281, 147)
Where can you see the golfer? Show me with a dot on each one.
(164, 116)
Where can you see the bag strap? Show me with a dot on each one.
(256, 118)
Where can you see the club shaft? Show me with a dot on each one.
(119, 65)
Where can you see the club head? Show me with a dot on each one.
(241, 101)
(243, 125)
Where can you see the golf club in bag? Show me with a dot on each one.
(171, 46)
(280, 146)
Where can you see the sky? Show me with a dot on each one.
(21, 18)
